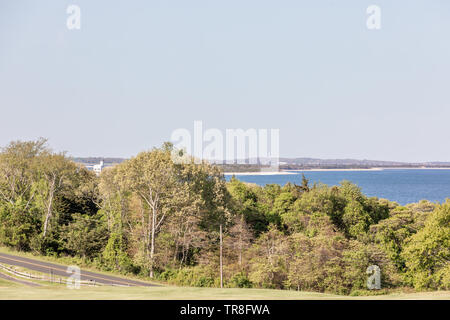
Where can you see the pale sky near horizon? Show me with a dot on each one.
(137, 70)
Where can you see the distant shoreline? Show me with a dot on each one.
(258, 173)
(372, 169)
(285, 172)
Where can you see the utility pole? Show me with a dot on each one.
(221, 262)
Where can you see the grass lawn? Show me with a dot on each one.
(48, 292)
(5, 284)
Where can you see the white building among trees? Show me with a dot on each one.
(98, 168)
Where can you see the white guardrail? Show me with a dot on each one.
(51, 278)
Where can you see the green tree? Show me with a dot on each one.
(19, 212)
(269, 259)
(246, 202)
(85, 236)
(427, 253)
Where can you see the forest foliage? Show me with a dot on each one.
(152, 217)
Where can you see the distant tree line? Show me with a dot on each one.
(152, 217)
(95, 160)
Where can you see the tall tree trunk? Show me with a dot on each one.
(49, 208)
(240, 250)
(152, 246)
(221, 262)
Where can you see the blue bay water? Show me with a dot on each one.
(401, 185)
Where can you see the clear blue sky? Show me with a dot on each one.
(137, 70)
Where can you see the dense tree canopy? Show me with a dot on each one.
(155, 217)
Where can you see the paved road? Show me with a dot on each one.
(28, 283)
(60, 270)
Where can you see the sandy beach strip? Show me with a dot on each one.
(259, 173)
(372, 169)
(285, 172)
(355, 169)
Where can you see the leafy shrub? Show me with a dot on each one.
(240, 280)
